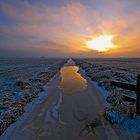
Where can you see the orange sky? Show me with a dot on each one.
(31, 28)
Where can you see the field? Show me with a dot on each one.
(20, 81)
(105, 70)
(120, 110)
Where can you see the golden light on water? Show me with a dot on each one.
(102, 43)
(72, 81)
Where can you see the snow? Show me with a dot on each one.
(133, 125)
(29, 108)
(101, 72)
(17, 96)
(55, 110)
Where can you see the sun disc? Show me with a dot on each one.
(101, 43)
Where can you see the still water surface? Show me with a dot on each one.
(72, 81)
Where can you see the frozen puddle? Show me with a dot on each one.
(72, 81)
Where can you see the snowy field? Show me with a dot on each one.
(20, 81)
(11, 70)
(105, 70)
(102, 71)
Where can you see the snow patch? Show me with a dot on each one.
(55, 111)
(132, 125)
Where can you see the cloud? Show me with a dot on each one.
(62, 30)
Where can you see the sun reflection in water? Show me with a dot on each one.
(72, 82)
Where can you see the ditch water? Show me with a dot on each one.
(71, 81)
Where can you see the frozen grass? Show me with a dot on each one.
(102, 71)
(10, 70)
(20, 81)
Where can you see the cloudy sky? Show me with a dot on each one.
(61, 28)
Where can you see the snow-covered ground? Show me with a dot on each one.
(102, 71)
(54, 115)
(63, 117)
(20, 81)
(105, 70)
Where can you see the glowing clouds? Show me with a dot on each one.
(101, 43)
(39, 30)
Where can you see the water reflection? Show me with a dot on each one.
(72, 82)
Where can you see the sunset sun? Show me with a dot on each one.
(102, 43)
